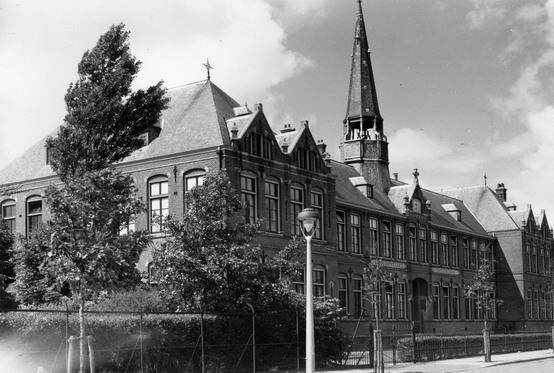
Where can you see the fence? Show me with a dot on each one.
(153, 342)
(425, 347)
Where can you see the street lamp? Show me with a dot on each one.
(308, 218)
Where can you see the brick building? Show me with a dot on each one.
(428, 240)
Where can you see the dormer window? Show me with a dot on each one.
(416, 205)
(259, 145)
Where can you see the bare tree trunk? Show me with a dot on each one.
(82, 339)
(379, 366)
(487, 343)
(70, 354)
(91, 353)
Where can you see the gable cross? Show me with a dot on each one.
(208, 67)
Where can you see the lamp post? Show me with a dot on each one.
(308, 218)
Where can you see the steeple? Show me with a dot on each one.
(364, 144)
(362, 96)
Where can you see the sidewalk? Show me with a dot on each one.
(458, 365)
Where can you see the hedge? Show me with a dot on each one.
(171, 342)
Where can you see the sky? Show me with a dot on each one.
(466, 88)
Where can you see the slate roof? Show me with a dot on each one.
(347, 193)
(487, 207)
(195, 119)
(439, 214)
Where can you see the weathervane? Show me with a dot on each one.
(208, 67)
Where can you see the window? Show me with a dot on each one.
(357, 295)
(297, 205)
(422, 245)
(529, 304)
(455, 302)
(319, 282)
(272, 206)
(341, 238)
(416, 205)
(454, 255)
(387, 239)
(373, 240)
(536, 304)
(259, 145)
(34, 214)
(446, 302)
(436, 305)
(400, 254)
(412, 243)
(299, 282)
(343, 293)
(453, 248)
(194, 179)
(128, 226)
(401, 302)
(434, 247)
(543, 305)
(248, 196)
(355, 233)
(534, 263)
(316, 199)
(541, 260)
(8, 215)
(389, 300)
(528, 252)
(474, 260)
(444, 249)
(158, 202)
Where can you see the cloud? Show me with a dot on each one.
(486, 12)
(433, 153)
(41, 43)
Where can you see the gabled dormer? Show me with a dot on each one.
(528, 222)
(304, 152)
(250, 131)
(415, 201)
(544, 227)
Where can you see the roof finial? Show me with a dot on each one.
(416, 174)
(208, 67)
(485, 176)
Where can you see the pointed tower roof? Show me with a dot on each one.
(362, 95)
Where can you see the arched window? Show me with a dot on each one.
(158, 202)
(194, 178)
(248, 193)
(272, 205)
(8, 214)
(34, 213)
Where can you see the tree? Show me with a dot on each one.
(81, 246)
(6, 267)
(209, 263)
(482, 290)
(376, 278)
(104, 117)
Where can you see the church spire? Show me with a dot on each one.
(362, 96)
(364, 146)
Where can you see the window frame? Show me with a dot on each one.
(249, 195)
(33, 219)
(161, 197)
(11, 220)
(273, 205)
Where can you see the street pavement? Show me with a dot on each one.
(459, 365)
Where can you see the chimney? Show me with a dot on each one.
(321, 146)
(259, 107)
(287, 128)
(501, 191)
